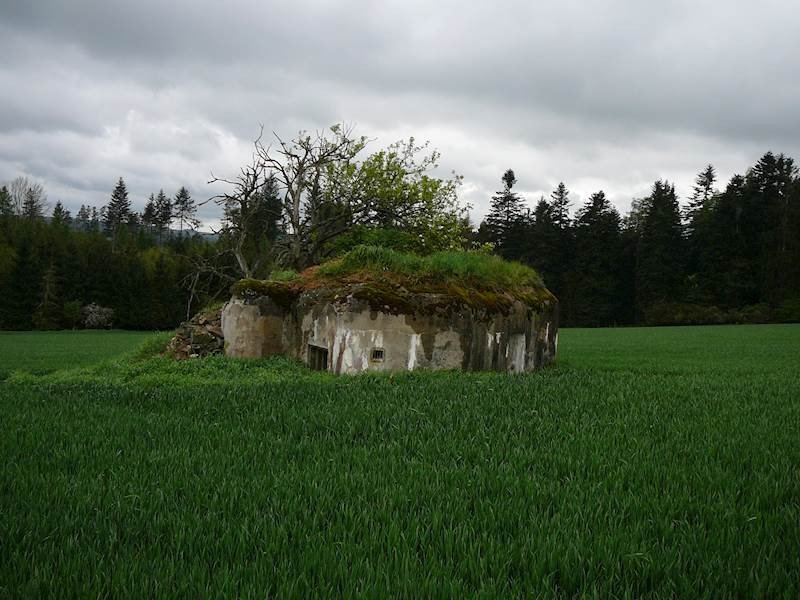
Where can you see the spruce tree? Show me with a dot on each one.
(698, 212)
(596, 270)
(118, 210)
(61, 215)
(559, 206)
(6, 203)
(163, 207)
(771, 211)
(703, 190)
(505, 213)
(149, 214)
(184, 210)
(83, 217)
(94, 219)
(33, 205)
(659, 268)
(542, 246)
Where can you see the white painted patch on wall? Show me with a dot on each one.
(412, 350)
(517, 347)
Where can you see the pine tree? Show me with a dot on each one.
(149, 214)
(559, 206)
(184, 210)
(725, 266)
(555, 239)
(83, 217)
(61, 216)
(33, 204)
(94, 219)
(697, 214)
(163, 207)
(118, 210)
(596, 274)
(703, 189)
(6, 203)
(505, 213)
(659, 268)
(771, 210)
(542, 246)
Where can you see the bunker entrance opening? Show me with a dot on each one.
(317, 358)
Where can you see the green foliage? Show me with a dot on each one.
(475, 269)
(505, 213)
(649, 463)
(393, 239)
(286, 276)
(72, 314)
(788, 311)
(46, 266)
(659, 254)
(152, 346)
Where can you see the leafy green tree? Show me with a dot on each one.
(325, 192)
(72, 314)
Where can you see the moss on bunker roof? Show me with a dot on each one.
(395, 280)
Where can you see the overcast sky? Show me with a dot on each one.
(602, 95)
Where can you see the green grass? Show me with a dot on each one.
(650, 462)
(485, 271)
(43, 352)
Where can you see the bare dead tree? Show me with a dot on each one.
(324, 191)
(240, 207)
(27, 194)
(210, 278)
(304, 167)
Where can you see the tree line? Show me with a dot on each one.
(730, 255)
(64, 271)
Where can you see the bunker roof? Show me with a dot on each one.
(404, 283)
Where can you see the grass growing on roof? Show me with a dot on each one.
(388, 278)
(474, 269)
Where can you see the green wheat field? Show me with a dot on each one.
(648, 462)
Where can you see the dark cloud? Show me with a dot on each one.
(605, 95)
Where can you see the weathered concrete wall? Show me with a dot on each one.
(350, 331)
(253, 329)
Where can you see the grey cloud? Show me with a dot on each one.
(610, 94)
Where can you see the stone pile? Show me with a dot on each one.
(200, 336)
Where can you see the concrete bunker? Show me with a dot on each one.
(377, 320)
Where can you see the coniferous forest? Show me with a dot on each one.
(730, 253)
